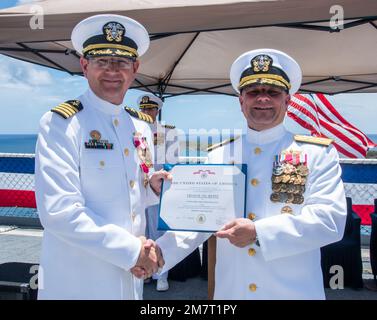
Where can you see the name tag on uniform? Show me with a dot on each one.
(96, 143)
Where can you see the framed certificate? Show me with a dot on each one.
(202, 197)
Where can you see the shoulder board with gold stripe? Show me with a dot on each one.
(168, 126)
(313, 140)
(222, 143)
(138, 114)
(68, 109)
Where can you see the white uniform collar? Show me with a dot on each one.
(265, 136)
(102, 105)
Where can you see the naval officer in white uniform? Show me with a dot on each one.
(93, 175)
(166, 151)
(295, 201)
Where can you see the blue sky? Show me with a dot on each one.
(27, 91)
(12, 3)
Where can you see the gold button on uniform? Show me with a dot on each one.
(116, 122)
(287, 210)
(254, 182)
(126, 152)
(252, 252)
(257, 150)
(251, 216)
(132, 183)
(102, 163)
(253, 287)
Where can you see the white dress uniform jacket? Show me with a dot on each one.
(91, 203)
(287, 265)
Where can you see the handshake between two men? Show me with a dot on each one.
(240, 232)
(150, 259)
(150, 256)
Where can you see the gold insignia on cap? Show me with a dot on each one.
(95, 135)
(114, 31)
(261, 63)
(145, 99)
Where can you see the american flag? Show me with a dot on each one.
(316, 114)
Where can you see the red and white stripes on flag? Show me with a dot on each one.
(17, 181)
(316, 114)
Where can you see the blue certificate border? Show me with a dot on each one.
(163, 226)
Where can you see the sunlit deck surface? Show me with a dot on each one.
(24, 245)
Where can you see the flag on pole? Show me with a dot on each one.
(316, 114)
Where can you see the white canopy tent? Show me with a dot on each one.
(195, 42)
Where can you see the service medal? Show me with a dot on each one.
(290, 198)
(275, 197)
(302, 170)
(286, 178)
(289, 174)
(277, 170)
(284, 188)
(298, 199)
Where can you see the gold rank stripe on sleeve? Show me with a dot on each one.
(140, 115)
(313, 140)
(222, 143)
(68, 109)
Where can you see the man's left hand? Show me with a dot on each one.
(157, 178)
(240, 232)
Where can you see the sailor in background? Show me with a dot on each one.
(166, 150)
(93, 173)
(295, 201)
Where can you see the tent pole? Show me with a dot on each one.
(165, 81)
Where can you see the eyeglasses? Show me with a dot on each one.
(122, 64)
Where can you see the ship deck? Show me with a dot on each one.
(24, 245)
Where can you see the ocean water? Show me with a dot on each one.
(25, 143)
(17, 143)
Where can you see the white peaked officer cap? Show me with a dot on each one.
(266, 66)
(110, 35)
(149, 101)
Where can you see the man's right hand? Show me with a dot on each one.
(150, 259)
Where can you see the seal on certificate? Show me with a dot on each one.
(201, 218)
